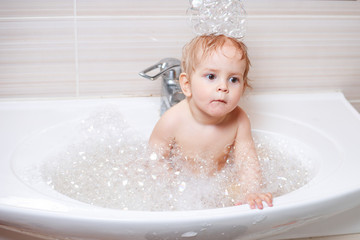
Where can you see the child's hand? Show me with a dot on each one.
(256, 199)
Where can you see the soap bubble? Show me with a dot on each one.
(111, 165)
(226, 17)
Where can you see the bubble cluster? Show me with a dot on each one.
(110, 165)
(226, 17)
(285, 165)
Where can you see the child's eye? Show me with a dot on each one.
(210, 76)
(234, 80)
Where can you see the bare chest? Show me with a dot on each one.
(206, 143)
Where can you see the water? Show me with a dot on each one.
(226, 17)
(109, 165)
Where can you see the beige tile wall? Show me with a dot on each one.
(92, 48)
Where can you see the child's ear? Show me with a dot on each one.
(185, 84)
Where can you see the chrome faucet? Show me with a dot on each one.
(169, 70)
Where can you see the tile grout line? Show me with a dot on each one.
(76, 53)
(180, 16)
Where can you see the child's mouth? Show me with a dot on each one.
(218, 101)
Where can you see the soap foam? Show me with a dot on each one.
(111, 166)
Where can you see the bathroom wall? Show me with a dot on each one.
(95, 48)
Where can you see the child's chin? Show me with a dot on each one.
(218, 113)
(219, 110)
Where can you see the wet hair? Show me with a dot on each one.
(206, 45)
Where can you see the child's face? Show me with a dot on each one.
(218, 83)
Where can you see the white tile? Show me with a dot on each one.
(113, 51)
(310, 7)
(36, 8)
(37, 58)
(293, 45)
(131, 8)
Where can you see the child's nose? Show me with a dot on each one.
(222, 88)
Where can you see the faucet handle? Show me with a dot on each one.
(164, 65)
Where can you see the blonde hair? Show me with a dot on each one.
(207, 44)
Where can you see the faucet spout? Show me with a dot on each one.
(164, 66)
(169, 70)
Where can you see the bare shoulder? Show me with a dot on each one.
(165, 128)
(243, 122)
(172, 116)
(242, 117)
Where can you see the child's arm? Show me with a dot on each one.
(161, 138)
(247, 161)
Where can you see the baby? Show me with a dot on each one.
(208, 123)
